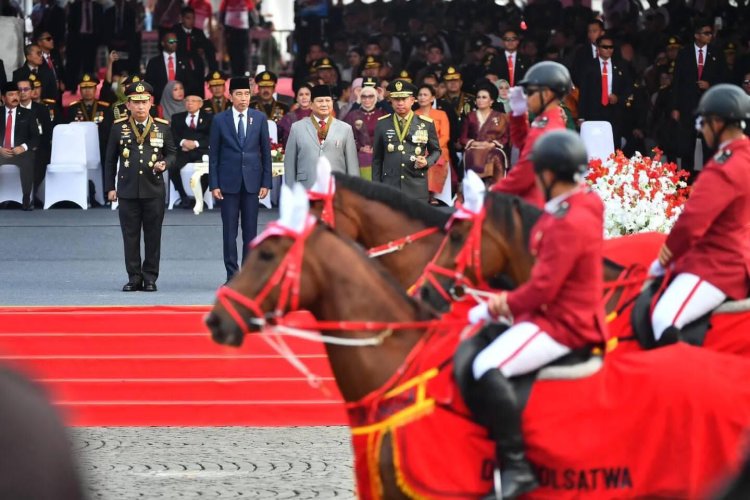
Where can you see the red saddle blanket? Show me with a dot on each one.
(667, 423)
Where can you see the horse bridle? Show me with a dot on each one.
(469, 257)
(286, 276)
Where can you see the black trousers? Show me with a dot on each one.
(238, 44)
(244, 206)
(138, 214)
(25, 163)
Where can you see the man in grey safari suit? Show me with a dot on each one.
(405, 145)
(320, 134)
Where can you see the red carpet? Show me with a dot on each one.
(120, 366)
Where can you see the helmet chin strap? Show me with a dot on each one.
(546, 187)
(717, 135)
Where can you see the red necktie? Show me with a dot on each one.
(511, 78)
(605, 84)
(700, 63)
(170, 68)
(49, 63)
(322, 131)
(189, 36)
(192, 121)
(8, 131)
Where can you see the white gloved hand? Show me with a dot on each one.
(480, 313)
(517, 98)
(656, 269)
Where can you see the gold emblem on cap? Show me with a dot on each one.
(216, 75)
(86, 78)
(266, 76)
(399, 86)
(140, 88)
(136, 79)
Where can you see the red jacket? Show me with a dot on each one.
(711, 238)
(564, 295)
(521, 180)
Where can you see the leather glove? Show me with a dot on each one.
(517, 98)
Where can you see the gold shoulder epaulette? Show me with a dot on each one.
(426, 118)
(384, 116)
(161, 120)
(470, 95)
(49, 101)
(73, 103)
(121, 119)
(103, 103)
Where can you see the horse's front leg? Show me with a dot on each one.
(391, 491)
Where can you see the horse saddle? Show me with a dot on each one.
(693, 333)
(576, 364)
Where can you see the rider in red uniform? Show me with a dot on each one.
(558, 310)
(540, 92)
(709, 246)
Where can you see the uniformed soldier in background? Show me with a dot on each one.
(145, 149)
(405, 145)
(49, 104)
(88, 109)
(219, 101)
(264, 101)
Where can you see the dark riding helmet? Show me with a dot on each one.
(561, 152)
(548, 74)
(725, 101)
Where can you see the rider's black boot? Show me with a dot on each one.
(504, 417)
(670, 336)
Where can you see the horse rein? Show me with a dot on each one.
(469, 257)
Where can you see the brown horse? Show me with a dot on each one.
(355, 298)
(580, 432)
(496, 243)
(374, 215)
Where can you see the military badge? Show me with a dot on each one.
(390, 148)
(358, 124)
(540, 122)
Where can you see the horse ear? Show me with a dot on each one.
(474, 190)
(294, 207)
(323, 178)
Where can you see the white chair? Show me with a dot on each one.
(272, 197)
(598, 138)
(186, 173)
(67, 173)
(10, 184)
(90, 133)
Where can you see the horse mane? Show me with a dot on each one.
(423, 312)
(502, 206)
(395, 199)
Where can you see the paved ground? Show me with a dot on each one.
(219, 462)
(74, 257)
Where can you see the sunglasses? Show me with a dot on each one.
(367, 96)
(24, 89)
(706, 33)
(171, 40)
(745, 82)
(510, 39)
(46, 38)
(607, 47)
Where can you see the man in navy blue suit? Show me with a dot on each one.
(239, 168)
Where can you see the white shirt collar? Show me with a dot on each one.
(510, 54)
(594, 50)
(167, 56)
(608, 61)
(236, 113)
(553, 205)
(27, 107)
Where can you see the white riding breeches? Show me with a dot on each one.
(521, 349)
(686, 299)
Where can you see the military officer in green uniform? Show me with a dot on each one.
(219, 101)
(264, 101)
(145, 149)
(405, 144)
(88, 109)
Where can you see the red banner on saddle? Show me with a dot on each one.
(438, 451)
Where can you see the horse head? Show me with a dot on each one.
(487, 236)
(269, 282)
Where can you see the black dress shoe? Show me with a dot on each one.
(131, 287)
(149, 286)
